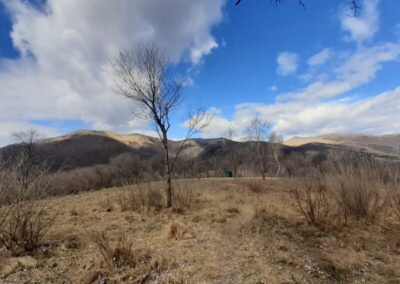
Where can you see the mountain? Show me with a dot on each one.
(89, 148)
(86, 148)
(380, 145)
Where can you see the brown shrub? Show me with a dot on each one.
(142, 197)
(183, 197)
(359, 189)
(120, 255)
(311, 198)
(24, 226)
(352, 188)
(394, 199)
(255, 186)
(24, 218)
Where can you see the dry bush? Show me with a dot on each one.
(183, 197)
(394, 197)
(255, 186)
(264, 221)
(120, 255)
(311, 198)
(142, 197)
(395, 204)
(351, 188)
(359, 189)
(25, 226)
(24, 218)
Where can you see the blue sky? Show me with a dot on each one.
(308, 72)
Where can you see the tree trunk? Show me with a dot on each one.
(279, 164)
(169, 191)
(262, 168)
(167, 170)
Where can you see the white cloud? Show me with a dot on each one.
(329, 106)
(205, 48)
(376, 115)
(287, 63)
(66, 49)
(320, 58)
(364, 26)
(352, 71)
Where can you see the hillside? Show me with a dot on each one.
(85, 148)
(382, 145)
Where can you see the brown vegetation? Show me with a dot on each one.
(228, 234)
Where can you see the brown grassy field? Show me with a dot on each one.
(226, 231)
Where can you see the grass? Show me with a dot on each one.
(227, 233)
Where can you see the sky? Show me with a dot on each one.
(306, 71)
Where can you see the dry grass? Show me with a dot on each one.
(145, 197)
(229, 234)
(120, 255)
(349, 191)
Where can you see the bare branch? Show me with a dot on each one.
(197, 120)
(355, 6)
(142, 76)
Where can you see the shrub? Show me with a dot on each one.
(141, 197)
(24, 226)
(355, 184)
(359, 189)
(24, 218)
(255, 186)
(394, 199)
(183, 197)
(311, 198)
(120, 255)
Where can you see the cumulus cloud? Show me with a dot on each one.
(364, 26)
(380, 114)
(287, 63)
(352, 71)
(320, 58)
(66, 46)
(329, 106)
(376, 115)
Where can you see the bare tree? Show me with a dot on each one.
(275, 143)
(233, 155)
(257, 134)
(25, 164)
(142, 75)
(24, 216)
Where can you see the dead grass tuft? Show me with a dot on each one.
(120, 255)
(183, 197)
(144, 197)
(106, 204)
(73, 242)
(255, 186)
(177, 231)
